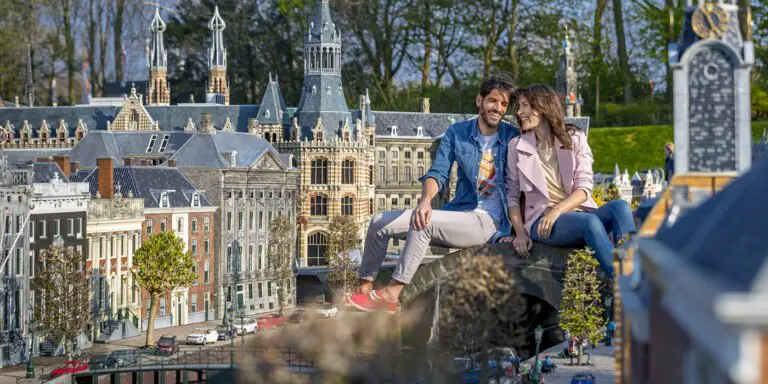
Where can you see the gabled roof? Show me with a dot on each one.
(44, 173)
(272, 105)
(725, 236)
(147, 183)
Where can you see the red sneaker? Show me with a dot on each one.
(372, 302)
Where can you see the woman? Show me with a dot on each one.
(550, 164)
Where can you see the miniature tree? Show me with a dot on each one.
(581, 305)
(280, 258)
(161, 265)
(480, 308)
(64, 306)
(344, 237)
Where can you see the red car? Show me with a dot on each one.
(71, 366)
(271, 321)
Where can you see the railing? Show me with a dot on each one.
(20, 177)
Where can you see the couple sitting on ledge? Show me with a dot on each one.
(545, 161)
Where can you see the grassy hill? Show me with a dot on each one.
(638, 148)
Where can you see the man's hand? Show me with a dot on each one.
(421, 215)
(523, 245)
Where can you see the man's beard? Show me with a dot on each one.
(484, 116)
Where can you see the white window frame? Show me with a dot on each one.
(44, 228)
(31, 263)
(79, 227)
(151, 144)
(32, 231)
(164, 143)
(56, 227)
(71, 224)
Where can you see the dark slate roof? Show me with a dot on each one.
(175, 117)
(272, 107)
(44, 173)
(725, 236)
(285, 158)
(94, 117)
(31, 155)
(323, 27)
(123, 88)
(147, 183)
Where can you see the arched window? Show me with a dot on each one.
(319, 135)
(134, 122)
(79, 135)
(319, 171)
(348, 171)
(370, 174)
(346, 136)
(317, 244)
(347, 204)
(62, 136)
(319, 206)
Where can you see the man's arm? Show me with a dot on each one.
(434, 180)
(423, 212)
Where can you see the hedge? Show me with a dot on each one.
(638, 148)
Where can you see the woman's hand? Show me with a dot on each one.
(547, 221)
(522, 244)
(506, 239)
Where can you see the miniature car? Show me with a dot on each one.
(327, 310)
(245, 326)
(202, 336)
(167, 345)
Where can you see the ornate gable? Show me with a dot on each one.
(190, 127)
(133, 116)
(228, 125)
(268, 162)
(44, 132)
(318, 132)
(26, 131)
(80, 130)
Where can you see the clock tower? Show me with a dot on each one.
(711, 66)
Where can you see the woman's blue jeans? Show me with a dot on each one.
(575, 229)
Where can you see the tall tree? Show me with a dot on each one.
(343, 238)
(581, 305)
(496, 16)
(117, 34)
(480, 308)
(161, 265)
(280, 259)
(64, 308)
(621, 50)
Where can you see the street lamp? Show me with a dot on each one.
(538, 333)
(231, 312)
(33, 325)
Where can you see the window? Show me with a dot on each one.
(229, 294)
(196, 199)
(162, 303)
(164, 202)
(194, 246)
(348, 171)
(79, 227)
(381, 204)
(205, 272)
(346, 205)
(250, 221)
(420, 155)
(261, 220)
(407, 155)
(319, 206)
(56, 229)
(180, 225)
(407, 202)
(31, 263)
(206, 246)
(229, 220)
(394, 203)
(269, 288)
(240, 221)
(317, 244)
(261, 255)
(162, 225)
(394, 174)
(421, 171)
(319, 170)
(8, 221)
(382, 173)
(149, 227)
(370, 207)
(194, 225)
(395, 154)
(407, 173)
(382, 155)
(250, 291)
(269, 221)
(18, 223)
(31, 231)
(260, 291)
(206, 225)
(250, 258)
(194, 270)
(229, 259)
(194, 303)
(19, 261)
(151, 143)
(370, 174)
(164, 143)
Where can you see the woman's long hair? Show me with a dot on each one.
(544, 99)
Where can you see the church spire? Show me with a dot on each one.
(567, 80)
(218, 86)
(29, 81)
(159, 92)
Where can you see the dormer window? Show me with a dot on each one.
(164, 202)
(314, 89)
(151, 143)
(266, 113)
(419, 131)
(164, 143)
(328, 90)
(394, 130)
(196, 199)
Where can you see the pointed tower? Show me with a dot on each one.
(29, 81)
(711, 65)
(322, 108)
(218, 86)
(567, 86)
(271, 110)
(159, 92)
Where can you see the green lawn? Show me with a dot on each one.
(638, 148)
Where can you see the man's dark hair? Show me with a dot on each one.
(500, 80)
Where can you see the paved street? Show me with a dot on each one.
(601, 366)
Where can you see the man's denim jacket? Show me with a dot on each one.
(461, 143)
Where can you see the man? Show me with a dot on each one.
(476, 215)
(669, 161)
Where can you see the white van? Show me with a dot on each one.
(246, 326)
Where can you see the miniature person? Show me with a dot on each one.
(669, 161)
(479, 147)
(550, 163)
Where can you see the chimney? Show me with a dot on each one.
(144, 162)
(127, 161)
(424, 105)
(63, 162)
(172, 163)
(207, 123)
(106, 177)
(74, 166)
(253, 125)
